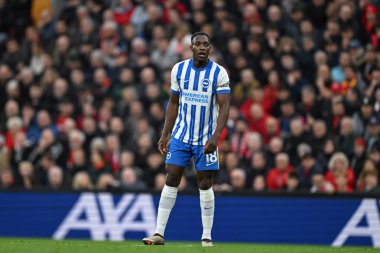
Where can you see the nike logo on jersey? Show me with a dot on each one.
(210, 163)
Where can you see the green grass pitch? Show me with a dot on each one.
(13, 245)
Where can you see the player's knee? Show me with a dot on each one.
(173, 180)
(205, 184)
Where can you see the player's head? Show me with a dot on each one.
(200, 46)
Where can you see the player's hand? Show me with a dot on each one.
(163, 144)
(210, 146)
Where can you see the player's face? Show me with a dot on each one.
(201, 47)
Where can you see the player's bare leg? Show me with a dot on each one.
(207, 202)
(167, 201)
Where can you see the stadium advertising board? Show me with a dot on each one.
(103, 216)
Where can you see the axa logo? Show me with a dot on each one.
(107, 220)
(369, 211)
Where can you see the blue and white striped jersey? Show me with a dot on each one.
(198, 109)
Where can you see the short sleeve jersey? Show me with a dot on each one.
(198, 109)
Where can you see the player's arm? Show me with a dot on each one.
(223, 101)
(170, 118)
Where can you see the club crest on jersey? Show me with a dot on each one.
(205, 83)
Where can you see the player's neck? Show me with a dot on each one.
(200, 64)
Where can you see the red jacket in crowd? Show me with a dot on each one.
(277, 178)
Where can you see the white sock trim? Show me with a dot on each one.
(170, 192)
(206, 195)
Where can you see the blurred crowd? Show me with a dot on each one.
(84, 87)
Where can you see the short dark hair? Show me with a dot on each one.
(197, 34)
(293, 175)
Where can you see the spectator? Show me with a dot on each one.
(287, 112)
(78, 162)
(13, 90)
(338, 111)
(156, 117)
(90, 130)
(82, 182)
(106, 181)
(374, 155)
(271, 90)
(55, 178)
(14, 126)
(258, 166)
(245, 87)
(276, 145)
(338, 71)
(144, 147)
(240, 138)
(98, 166)
(62, 52)
(45, 146)
(231, 162)
(294, 78)
(6, 179)
(3, 152)
(319, 135)
(341, 182)
(267, 64)
(127, 159)
(297, 136)
(43, 121)
(123, 12)
(373, 137)
(368, 167)
(238, 179)
(292, 182)
(258, 184)
(302, 150)
(12, 56)
(155, 166)
(371, 182)
(257, 118)
(320, 185)
(162, 57)
(346, 138)
(339, 169)
(272, 129)
(130, 181)
(11, 109)
(323, 81)
(26, 172)
(362, 117)
(359, 155)
(307, 169)
(277, 176)
(112, 155)
(376, 98)
(309, 106)
(368, 64)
